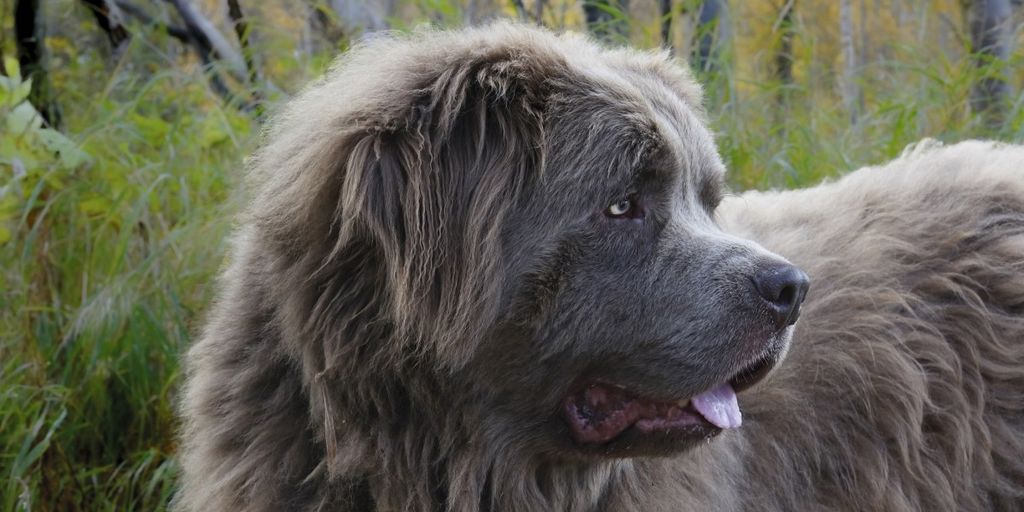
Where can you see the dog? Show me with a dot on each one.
(492, 269)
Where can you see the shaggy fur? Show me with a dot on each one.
(414, 289)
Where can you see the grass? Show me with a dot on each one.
(107, 268)
(109, 238)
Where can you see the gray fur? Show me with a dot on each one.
(425, 271)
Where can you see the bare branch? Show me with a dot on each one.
(784, 14)
(202, 48)
(206, 34)
(111, 21)
(665, 10)
(242, 30)
(174, 31)
(216, 82)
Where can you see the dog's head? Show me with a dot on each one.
(536, 216)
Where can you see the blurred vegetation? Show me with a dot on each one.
(113, 223)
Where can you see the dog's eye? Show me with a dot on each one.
(620, 208)
(625, 209)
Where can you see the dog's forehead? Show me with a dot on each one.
(666, 106)
(683, 131)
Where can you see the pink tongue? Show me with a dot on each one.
(719, 406)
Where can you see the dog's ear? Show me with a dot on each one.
(430, 190)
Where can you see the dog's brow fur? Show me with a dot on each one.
(410, 293)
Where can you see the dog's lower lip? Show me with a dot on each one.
(752, 373)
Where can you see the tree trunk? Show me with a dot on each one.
(30, 34)
(665, 9)
(848, 85)
(784, 47)
(710, 34)
(782, 64)
(111, 21)
(209, 38)
(990, 47)
(241, 26)
(608, 20)
(253, 75)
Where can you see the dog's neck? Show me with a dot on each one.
(416, 472)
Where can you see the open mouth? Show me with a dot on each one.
(602, 413)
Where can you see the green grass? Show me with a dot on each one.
(108, 248)
(913, 96)
(107, 268)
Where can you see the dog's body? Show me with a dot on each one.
(903, 387)
(430, 307)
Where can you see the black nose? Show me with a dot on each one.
(783, 288)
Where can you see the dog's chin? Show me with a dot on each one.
(608, 419)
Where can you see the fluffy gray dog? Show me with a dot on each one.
(488, 270)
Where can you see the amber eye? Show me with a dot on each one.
(624, 209)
